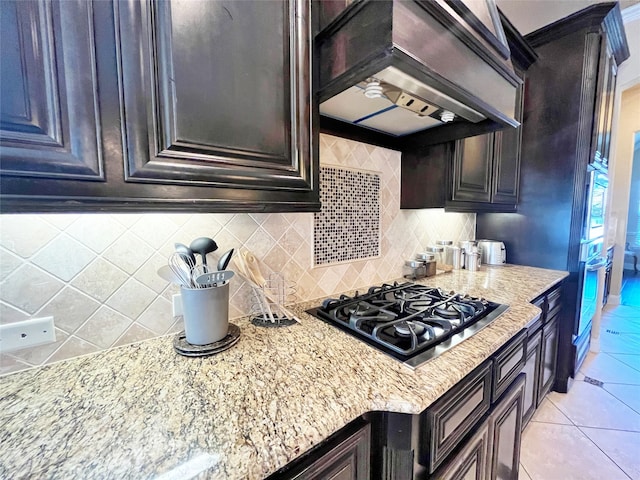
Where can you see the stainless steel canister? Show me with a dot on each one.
(467, 247)
(414, 269)
(437, 250)
(455, 255)
(472, 260)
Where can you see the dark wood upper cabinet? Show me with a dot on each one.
(607, 75)
(201, 98)
(49, 113)
(473, 169)
(193, 106)
(486, 169)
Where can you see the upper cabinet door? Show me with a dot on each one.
(605, 95)
(508, 143)
(472, 169)
(49, 114)
(216, 93)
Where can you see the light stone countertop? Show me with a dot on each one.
(142, 411)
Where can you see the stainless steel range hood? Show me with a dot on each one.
(427, 63)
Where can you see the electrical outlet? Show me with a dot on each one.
(27, 333)
(177, 305)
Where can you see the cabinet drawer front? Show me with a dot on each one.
(471, 461)
(534, 325)
(554, 299)
(455, 414)
(508, 364)
(553, 314)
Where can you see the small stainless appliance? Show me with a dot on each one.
(492, 252)
(413, 323)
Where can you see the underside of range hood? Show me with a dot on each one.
(396, 111)
(434, 60)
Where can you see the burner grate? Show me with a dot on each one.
(409, 321)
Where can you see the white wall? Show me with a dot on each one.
(626, 122)
(530, 15)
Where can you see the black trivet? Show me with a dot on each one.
(183, 347)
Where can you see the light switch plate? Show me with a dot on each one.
(27, 333)
(177, 305)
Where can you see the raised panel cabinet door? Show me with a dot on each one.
(216, 93)
(472, 169)
(505, 425)
(603, 115)
(532, 372)
(49, 109)
(347, 460)
(471, 462)
(548, 358)
(506, 158)
(612, 74)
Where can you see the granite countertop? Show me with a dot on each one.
(142, 411)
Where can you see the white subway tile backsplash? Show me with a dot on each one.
(117, 298)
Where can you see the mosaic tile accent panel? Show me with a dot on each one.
(96, 273)
(348, 225)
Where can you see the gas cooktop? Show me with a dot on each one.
(413, 323)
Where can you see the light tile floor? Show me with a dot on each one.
(593, 432)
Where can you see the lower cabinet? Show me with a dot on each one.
(542, 352)
(505, 425)
(493, 450)
(548, 358)
(472, 460)
(344, 456)
(532, 373)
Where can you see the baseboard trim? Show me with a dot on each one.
(614, 299)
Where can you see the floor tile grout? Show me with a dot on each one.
(603, 452)
(627, 341)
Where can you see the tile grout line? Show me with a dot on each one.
(526, 471)
(603, 452)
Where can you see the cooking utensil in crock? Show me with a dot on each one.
(224, 260)
(167, 274)
(181, 270)
(203, 245)
(253, 268)
(186, 253)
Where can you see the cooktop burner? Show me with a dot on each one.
(414, 323)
